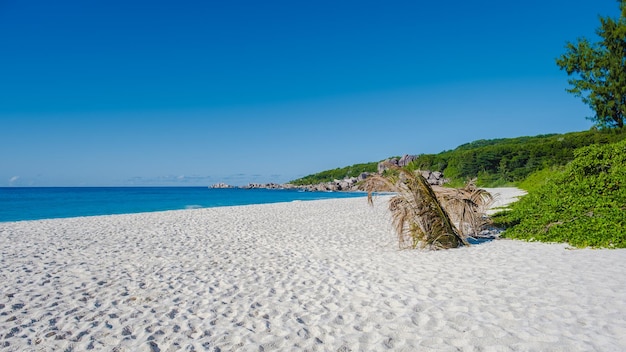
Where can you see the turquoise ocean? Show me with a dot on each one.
(34, 203)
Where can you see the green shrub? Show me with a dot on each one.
(584, 205)
(540, 178)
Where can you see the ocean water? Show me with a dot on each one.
(35, 203)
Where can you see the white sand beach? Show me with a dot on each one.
(504, 196)
(304, 276)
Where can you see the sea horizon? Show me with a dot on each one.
(53, 202)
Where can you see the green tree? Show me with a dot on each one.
(599, 71)
(583, 204)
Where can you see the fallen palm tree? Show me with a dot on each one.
(427, 217)
(466, 206)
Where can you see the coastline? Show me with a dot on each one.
(36, 203)
(316, 275)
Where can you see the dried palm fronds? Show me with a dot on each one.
(425, 217)
(418, 218)
(466, 206)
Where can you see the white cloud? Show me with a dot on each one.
(13, 179)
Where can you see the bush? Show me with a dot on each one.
(539, 178)
(584, 205)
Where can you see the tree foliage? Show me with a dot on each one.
(495, 162)
(584, 205)
(599, 71)
(336, 174)
(504, 161)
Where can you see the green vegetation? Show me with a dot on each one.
(598, 68)
(500, 162)
(336, 174)
(495, 162)
(539, 178)
(583, 205)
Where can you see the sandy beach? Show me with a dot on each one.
(303, 276)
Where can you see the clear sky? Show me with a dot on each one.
(181, 93)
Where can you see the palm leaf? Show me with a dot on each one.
(418, 217)
(467, 206)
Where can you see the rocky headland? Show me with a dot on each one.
(348, 184)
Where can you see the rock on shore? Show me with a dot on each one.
(347, 184)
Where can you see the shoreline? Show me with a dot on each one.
(503, 196)
(25, 204)
(321, 275)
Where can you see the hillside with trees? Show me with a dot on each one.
(495, 162)
(336, 174)
(508, 161)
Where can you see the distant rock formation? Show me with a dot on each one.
(221, 185)
(347, 184)
(433, 177)
(406, 160)
(402, 162)
(384, 165)
(266, 186)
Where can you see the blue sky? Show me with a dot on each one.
(124, 93)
